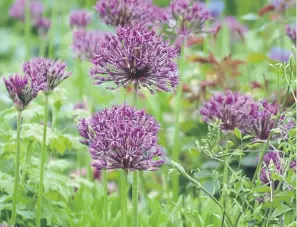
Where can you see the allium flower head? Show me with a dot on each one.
(46, 72)
(17, 10)
(262, 117)
(21, 90)
(124, 12)
(86, 43)
(186, 16)
(291, 33)
(270, 158)
(231, 108)
(293, 165)
(79, 19)
(43, 24)
(136, 55)
(122, 138)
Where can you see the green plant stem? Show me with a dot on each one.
(225, 182)
(42, 164)
(135, 180)
(52, 31)
(176, 139)
(135, 199)
(80, 78)
(27, 29)
(105, 198)
(123, 198)
(17, 169)
(182, 171)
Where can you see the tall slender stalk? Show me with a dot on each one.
(135, 182)
(17, 169)
(123, 198)
(176, 139)
(105, 212)
(225, 182)
(42, 164)
(52, 31)
(198, 185)
(27, 29)
(80, 78)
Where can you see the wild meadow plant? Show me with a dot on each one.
(192, 72)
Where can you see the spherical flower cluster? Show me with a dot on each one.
(270, 158)
(21, 90)
(79, 19)
(124, 12)
(291, 33)
(86, 43)
(263, 116)
(46, 72)
(35, 7)
(136, 55)
(122, 138)
(231, 108)
(186, 16)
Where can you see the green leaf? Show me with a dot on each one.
(237, 133)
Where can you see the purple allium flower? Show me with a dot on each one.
(279, 54)
(269, 159)
(136, 55)
(282, 5)
(231, 108)
(86, 43)
(262, 119)
(17, 10)
(293, 165)
(83, 105)
(46, 72)
(186, 16)
(21, 90)
(122, 137)
(43, 24)
(79, 19)
(124, 12)
(291, 33)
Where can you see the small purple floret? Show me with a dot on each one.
(291, 33)
(270, 158)
(122, 137)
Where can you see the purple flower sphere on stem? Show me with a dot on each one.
(124, 12)
(270, 158)
(21, 91)
(79, 19)
(186, 16)
(136, 55)
(231, 108)
(48, 74)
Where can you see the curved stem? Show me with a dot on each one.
(135, 199)
(176, 139)
(42, 164)
(80, 79)
(105, 212)
(27, 29)
(17, 169)
(123, 198)
(198, 185)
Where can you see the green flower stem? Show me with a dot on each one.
(176, 139)
(52, 31)
(17, 169)
(27, 29)
(80, 78)
(135, 199)
(123, 198)
(42, 164)
(135, 181)
(225, 182)
(105, 212)
(182, 171)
